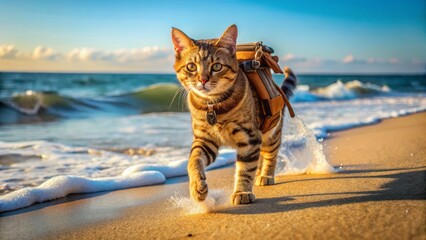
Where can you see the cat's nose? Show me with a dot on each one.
(204, 81)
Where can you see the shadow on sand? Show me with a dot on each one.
(407, 185)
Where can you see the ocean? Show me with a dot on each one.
(99, 125)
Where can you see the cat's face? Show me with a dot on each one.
(207, 67)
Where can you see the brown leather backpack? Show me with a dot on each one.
(256, 61)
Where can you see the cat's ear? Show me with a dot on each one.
(181, 41)
(229, 38)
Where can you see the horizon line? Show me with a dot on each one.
(172, 73)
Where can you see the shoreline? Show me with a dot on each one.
(376, 188)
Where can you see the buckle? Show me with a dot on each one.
(250, 65)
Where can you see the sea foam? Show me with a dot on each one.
(134, 176)
(300, 147)
(62, 186)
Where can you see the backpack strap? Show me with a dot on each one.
(256, 61)
(287, 102)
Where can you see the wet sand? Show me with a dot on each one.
(379, 194)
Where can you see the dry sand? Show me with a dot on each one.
(380, 194)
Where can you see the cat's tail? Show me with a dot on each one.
(290, 82)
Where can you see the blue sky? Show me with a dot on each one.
(134, 36)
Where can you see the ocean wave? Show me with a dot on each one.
(339, 91)
(31, 106)
(34, 103)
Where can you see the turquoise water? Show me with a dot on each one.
(83, 124)
(96, 85)
(37, 97)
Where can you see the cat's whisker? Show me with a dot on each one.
(184, 103)
(174, 97)
(182, 98)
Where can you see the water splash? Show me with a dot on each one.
(300, 151)
(216, 199)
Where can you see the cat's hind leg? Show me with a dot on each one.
(269, 155)
(247, 160)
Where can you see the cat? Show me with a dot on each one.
(215, 85)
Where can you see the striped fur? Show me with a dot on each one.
(237, 112)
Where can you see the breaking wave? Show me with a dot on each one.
(340, 91)
(33, 106)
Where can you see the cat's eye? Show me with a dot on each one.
(191, 67)
(217, 67)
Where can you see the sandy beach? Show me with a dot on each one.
(379, 194)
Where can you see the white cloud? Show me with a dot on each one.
(147, 53)
(290, 57)
(347, 62)
(292, 60)
(157, 59)
(351, 64)
(417, 61)
(371, 60)
(393, 60)
(120, 56)
(348, 59)
(84, 54)
(45, 53)
(8, 51)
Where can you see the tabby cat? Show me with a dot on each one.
(209, 71)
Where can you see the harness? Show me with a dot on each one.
(256, 62)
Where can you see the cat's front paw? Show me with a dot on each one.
(242, 198)
(198, 189)
(264, 181)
